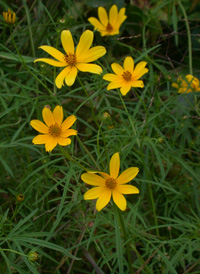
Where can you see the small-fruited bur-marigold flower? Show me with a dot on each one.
(108, 25)
(188, 84)
(127, 77)
(74, 60)
(55, 131)
(9, 17)
(112, 184)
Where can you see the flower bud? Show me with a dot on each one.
(9, 17)
(20, 198)
(33, 256)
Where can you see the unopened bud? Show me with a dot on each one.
(20, 198)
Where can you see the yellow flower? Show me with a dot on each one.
(188, 84)
(108, 25)
(55, 131)
(9, 17)
(110, 185)
(20, 198)
(127, 77)
(74, 60)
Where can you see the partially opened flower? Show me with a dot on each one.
(127, 77)
(112, 184)
(74, 60)
(9, 17)
(55, 131)
(108, 25)
(188, 84)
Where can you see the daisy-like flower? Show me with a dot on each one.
(189, 84)
(127, 77)
(112, 184)
(108, 25)
(55, 131)
(74, 60)
(9, 17)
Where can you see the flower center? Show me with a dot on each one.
(111, 183)
(55, 130)
(70, 59)
(109, 27)
(127, 75)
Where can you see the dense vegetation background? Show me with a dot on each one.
(54, 230)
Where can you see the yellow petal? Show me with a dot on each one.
(54, 52)
(115, 85)
(114, 165)
(103, 200)
(137, 84)
(91, 55)
(85, 43)
(103, 16)
(89, 68)
(93, 179)
(39, 126)
(96, 23)
(174, 85)
(129, 64)
(63, 141)
(68, 132)
(58, 115)
(67, 41)
(125, 88)
(111, 77)
(113, 15)
(140, 70)
(48, 117)
(71, 76)
(127, 189)
(94, 193)
(40, 139)
(51, 62)
(68, 122)
(119, 199)
(127, 175)
(51, 143)
(121, 18)
(61, 76)
(117, 69)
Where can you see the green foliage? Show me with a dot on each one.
(162, 222)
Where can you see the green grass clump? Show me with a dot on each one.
(53, 229)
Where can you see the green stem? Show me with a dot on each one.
(5, 249)
(122, 225)
(189, 36)
(94, 118)
(131, 122)
(66, 154)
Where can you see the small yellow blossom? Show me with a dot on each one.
(108, 25)
(112, 184)
(127, 77)
(188, 84)
(55, 131)
(20, 198)
(33, 256)
(74, 60)
(9, 17)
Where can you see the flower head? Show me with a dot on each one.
(74, 60)
(188, 84)
(112, 184)
(9, 17)
(55, 131)
(127, 77)
(20, 198)
(108, 25)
